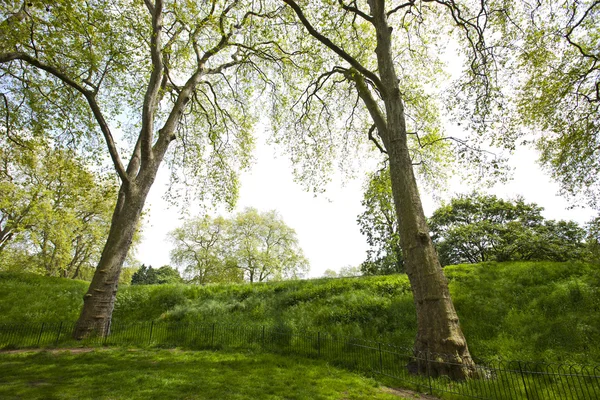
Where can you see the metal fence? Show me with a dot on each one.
(491, 380)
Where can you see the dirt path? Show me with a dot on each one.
(409, 394)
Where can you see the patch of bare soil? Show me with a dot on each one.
(73, 350)
(409, 394)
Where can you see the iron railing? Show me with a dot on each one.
(490, 380)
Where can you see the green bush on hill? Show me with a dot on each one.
(516, 310)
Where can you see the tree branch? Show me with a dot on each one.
(89, 96)
(339, 51)
(355, 10)
(152, 93)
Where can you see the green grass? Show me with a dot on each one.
(175, 374)
(518, 310)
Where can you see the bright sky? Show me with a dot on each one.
(326, 224)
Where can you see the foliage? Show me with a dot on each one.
(150, 276)
(515, 310)
(379, 224)
(54, 212)
(558, 95)
(479, 228)
(168, 374)
(251, 245)
(593, 239)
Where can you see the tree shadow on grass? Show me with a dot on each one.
(173, 374)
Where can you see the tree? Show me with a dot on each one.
(559, 93)
(392, 90)
(252, 245)
(329, 273)
(379, 224)
(477, 228)
(264, 248)
(593, 239)
(202, 249)
(150, 276)
(54, 212)
(349, 271)
(78, 70)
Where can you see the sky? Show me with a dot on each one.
(326, 224)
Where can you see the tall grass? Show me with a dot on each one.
(534, 310)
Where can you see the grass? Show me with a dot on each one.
(519, 310)
(176, 374)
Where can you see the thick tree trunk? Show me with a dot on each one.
(440, 347)
(440, 341)
(99, 301)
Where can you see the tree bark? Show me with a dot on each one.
(99, 301)
(439, 341)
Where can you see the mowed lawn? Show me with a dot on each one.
(176, 374)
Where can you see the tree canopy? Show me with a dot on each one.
(251, 245)
(477, 228)
(558, 95)
(54, 212)
(150, 276)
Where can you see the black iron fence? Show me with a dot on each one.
(490, 380)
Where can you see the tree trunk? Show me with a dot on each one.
(99, 301)
(440, 341)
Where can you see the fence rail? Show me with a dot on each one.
(492, 380)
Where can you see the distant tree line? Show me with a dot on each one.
(474, 228)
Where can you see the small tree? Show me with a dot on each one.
(379, 224)
(265, 248)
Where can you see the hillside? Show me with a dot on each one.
(512, 310)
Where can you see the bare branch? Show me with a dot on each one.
(400, 7)
(374, 140)
(353, 8)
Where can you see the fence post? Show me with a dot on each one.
(428, 371)
(319, 344)
(523, 379)
(40, 335)
(59, 332)
(212, 336)
(151, 329)
(380, 358)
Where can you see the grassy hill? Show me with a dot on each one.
(512, 310)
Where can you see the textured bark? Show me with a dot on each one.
(100, 298)
(439, 337)
(440, 347)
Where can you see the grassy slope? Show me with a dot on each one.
(513, 310)
(122, 374)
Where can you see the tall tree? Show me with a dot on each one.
(392, 89)
(174, 69)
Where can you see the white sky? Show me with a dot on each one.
(326, 224)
